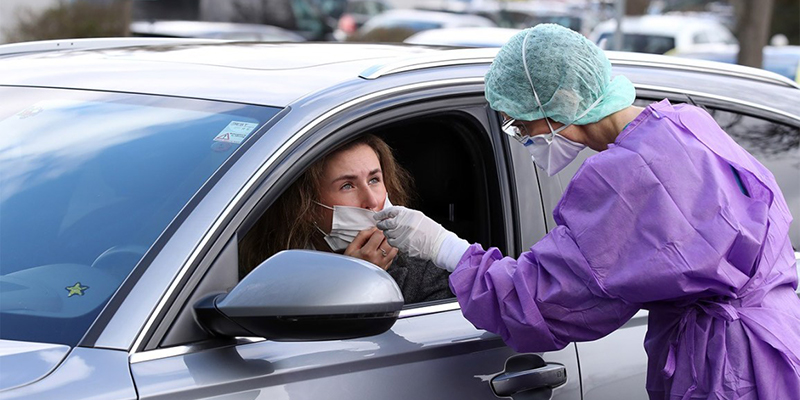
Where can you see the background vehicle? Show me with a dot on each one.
(522, 14)
(356, 13)
(660, 34)
(463, 37)
(397, 25)
(129, 189)
(782, 60)
(214, 30)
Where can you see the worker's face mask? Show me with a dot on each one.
(550, 152)
(347, 223)
(553, 152)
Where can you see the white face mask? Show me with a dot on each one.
(553, 152)
(347, 223)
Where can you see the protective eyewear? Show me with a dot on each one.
(518, 132)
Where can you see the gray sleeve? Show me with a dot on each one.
(420, 280)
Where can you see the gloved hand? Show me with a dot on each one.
(415, 234)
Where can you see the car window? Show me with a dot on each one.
(701, 37)
(89, 181)
(412, 25)
(456, 196)
(652, 44)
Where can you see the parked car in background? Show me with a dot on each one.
(214, 30)
(526, 14)
(783, 60)
(463, 37)
(134, 175)
(356, 13)
(398, 24)
(662, 34)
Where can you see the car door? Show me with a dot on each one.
(430, 352)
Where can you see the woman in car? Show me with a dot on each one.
(671, 216)
(331, 207)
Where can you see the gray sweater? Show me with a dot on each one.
(420, 280)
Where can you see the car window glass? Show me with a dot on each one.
(641, 43)
(414, 26)
(89, 181)
(701, 37)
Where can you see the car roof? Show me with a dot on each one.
(247, 72)
(267, 73)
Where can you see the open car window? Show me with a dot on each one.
(454, 182)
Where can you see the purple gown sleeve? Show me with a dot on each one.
(540, 302)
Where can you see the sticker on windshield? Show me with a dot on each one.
(236, 132)
(77, 288)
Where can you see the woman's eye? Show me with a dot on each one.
(374, 181)
(347, 186)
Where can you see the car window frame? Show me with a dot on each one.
(314, 144)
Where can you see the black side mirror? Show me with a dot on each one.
(299, 295)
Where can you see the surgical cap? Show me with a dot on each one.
(569, 73)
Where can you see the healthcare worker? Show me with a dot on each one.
(671, 216)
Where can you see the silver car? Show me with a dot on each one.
(131, 173)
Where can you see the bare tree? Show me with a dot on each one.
(753, 19)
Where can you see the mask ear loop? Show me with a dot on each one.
(319, 229)
(535, 95)
(323, 205)
(315, 222)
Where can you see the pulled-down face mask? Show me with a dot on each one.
(347, 223)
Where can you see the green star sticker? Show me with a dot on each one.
(76, 289)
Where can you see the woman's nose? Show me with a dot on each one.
(370, 200)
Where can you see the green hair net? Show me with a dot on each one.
(570, 74)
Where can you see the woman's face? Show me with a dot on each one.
(352, 178)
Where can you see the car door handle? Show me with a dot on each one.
(528, 372)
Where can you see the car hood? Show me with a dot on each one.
(26, 362)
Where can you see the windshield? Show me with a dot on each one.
(88, 181)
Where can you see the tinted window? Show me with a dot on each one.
(701, 37)
(88, 183)
(640, 43)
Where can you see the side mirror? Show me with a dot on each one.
(300, 295)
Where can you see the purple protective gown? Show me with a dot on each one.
(659, 221)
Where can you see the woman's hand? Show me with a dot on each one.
(371, 245)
